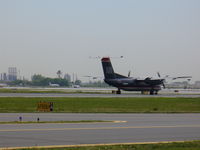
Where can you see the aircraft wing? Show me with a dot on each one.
(182, 77)
(120, 76)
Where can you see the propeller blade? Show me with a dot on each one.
(129, 73)
(163, 83)
(167, 76)
(158, 74)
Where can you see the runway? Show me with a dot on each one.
(138, 128)
(93, 95)
(92, 92)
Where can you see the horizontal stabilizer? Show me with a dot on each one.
(120, 76)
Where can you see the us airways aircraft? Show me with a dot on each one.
(128, 83)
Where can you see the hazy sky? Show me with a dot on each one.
(43, 36)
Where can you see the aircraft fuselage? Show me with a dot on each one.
(129, 84)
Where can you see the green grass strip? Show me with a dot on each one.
(103, 105)
(193, 145)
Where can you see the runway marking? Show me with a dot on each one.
(23, 123)
(101, 128)
(86, 145)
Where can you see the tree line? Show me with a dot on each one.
(39, 80)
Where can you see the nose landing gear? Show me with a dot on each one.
(153, 92)
(118, 91)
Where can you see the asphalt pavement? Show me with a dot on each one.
(137, 128)
(93, 95)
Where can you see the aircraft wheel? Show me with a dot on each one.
(118, 92)
(152, 92)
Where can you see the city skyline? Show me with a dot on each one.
(42, 37)
(13, 73)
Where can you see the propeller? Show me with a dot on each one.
(173, 78)
(162, 80)
(129, 73)
(158, 74)
(163, 83)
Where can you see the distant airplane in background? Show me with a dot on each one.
(76, 86)
(53, 85)
(3, 85)
(128, 83)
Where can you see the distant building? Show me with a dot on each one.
(1, 77)
(12, 73)
(197, 84)
(4, 77)
(67, 77)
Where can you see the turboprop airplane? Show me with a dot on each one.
(128, 83)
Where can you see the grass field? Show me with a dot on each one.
(103, 105)
(195, 145)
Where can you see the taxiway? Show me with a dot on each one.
(138, 128)
(92, 95)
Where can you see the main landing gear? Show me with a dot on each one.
(153, 92)
(118, 91)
